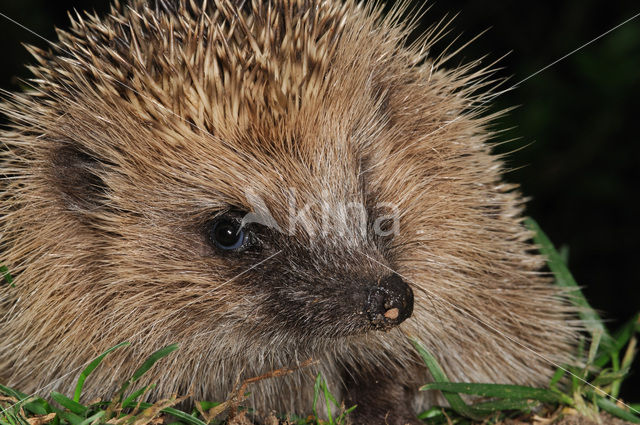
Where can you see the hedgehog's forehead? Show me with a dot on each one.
(310, 186)
(234, 63)
(273, 72)
(263, 95)
(318, 166)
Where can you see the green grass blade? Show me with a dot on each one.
(328, 399)
(557, 376)
(316, 394)
(6, 276)
(93, 418)
(433, 412)
(35, 405)
(608, 376)
(565, 279)
(178, 414)
(71, 418)
(342, 419)
(12, 393)
(38, 407)
(625, 366)
(87, 371)
(455, 401)
(67, 403)
(620, 339)
(133, 397)
(207, 405)
(163, 352)
(500, 405)
(9, 418)
(611, 407)
(596, 337)
(510, 392)
(185, 417)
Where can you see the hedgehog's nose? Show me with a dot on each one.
(389, 303)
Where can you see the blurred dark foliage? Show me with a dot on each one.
(576, 151)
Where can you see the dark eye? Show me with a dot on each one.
(227, 234)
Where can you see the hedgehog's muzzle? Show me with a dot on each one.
(389, 303)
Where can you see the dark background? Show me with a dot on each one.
(577, 153)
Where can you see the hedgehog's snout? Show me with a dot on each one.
(389, 303)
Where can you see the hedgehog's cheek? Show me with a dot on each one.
(389, 303)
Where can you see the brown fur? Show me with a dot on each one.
(143, 125)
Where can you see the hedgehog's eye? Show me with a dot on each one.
(227, 234)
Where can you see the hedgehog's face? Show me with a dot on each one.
(267, 179)
(260, 237)
(310, 284)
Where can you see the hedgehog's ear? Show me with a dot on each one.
(77, 175)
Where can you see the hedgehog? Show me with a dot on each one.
(263, 183)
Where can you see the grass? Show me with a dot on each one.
(125, 408)
(6, 276)
(589, 389)
(585, 390)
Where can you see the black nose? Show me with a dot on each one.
(389, 303)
